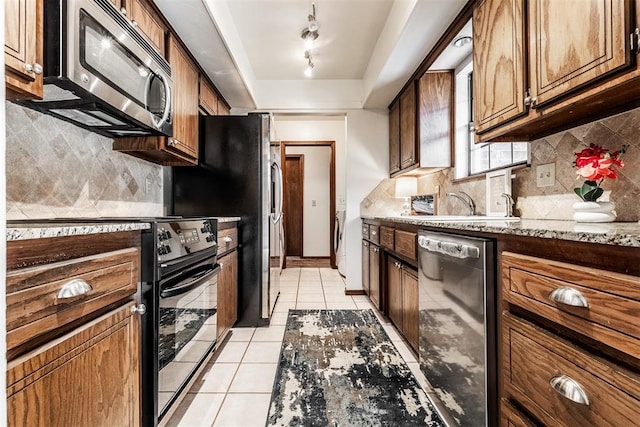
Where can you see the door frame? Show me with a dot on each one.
(332, 184)
(300, 157)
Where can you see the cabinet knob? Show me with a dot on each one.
(123, 11)
(570, 389)
(373, 233)
(33, 68)
(569, 296)
(227, 239)
(134, 24)
(172, 142)
(530, 101)
(139, 309)
(74, 288)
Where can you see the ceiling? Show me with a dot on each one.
(253, 52)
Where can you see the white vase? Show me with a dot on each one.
(594, 212)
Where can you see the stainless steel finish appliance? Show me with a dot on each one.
(239, 175)
(179, 289)
(100, 73)
(338, 243)
(457, 347)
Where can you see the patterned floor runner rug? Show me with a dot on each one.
(339, 368)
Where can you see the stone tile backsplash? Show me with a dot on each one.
(56, 169)
(553, 202)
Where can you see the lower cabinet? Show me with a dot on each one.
(402, 299)
(511, 417)
(365, 266)
(89, 377)
(227, 292)
(374, 275)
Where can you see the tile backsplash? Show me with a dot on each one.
(56, 169)
(552, 202)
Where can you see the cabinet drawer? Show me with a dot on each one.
(386, 238)
(535, 359)
(511, 417)
(374, 233)
(44, 298)
(406, 244)
(365, 231)
(227, 239)
(600, 304)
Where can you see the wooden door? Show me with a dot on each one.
(408, 151)
(293, 204)
(410, 309)
(227, 292)
(365, 267)
(23, 56)
(394, 138)
(374, 275)
(90, 377)
(435, 118)
(574, 42)
(498, 63)
(394, 291)
(185, 102)
(147, 24)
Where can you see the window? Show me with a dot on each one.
(472, 158)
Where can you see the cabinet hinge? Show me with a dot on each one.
(634, 41)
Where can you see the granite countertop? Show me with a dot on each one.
(612, 233)
(35, 230)
(222, 219)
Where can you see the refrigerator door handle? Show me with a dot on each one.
(276, 217)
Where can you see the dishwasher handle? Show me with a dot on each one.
(456, 250)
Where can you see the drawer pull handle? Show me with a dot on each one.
(569, 388)
(74, 288)
(227, 239)
(569, 296)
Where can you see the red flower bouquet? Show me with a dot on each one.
(595, 164)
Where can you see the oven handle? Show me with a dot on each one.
(191, 282)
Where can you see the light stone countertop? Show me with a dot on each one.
(222, 219)
(612, 233)
(43, 230)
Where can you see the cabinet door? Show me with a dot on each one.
(374, 275)
(227, 292)
(185, 102)
(574, 42)
(146, 24)
(116, 3)
(90, 377)
(208, 98)
(435, 117)
(394, 291)
(410, 311)
(223, 110)
(394, 138)
(498, 63)
(23, 56)
(408, 152)
(365, 267)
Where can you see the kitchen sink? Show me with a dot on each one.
(458, 218)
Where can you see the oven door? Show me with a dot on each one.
(187, 327)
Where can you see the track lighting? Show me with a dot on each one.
(309, 70)
(309, 35)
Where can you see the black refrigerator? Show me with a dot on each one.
(239, 174)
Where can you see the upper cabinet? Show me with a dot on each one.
(223, 109)
(394, 138)
(435, 117)
(575, 62)
(402, 133)
(23, 55)
(208, 98)
(146, 23)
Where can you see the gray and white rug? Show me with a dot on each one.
(339, 368)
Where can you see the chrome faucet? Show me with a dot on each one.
(468, 201)
(509, 202)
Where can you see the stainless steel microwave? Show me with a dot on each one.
(100, 73)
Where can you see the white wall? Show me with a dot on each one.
(368, 160)
(316, 204)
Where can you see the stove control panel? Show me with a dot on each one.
(181, 237)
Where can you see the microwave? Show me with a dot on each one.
(100, 73)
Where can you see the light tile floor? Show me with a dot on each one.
(235, 388)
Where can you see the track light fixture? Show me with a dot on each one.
(309, 35)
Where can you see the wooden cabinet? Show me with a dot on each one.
(89, 377)
(117, 3)
(402, 299)
(405, 244)
(208, 98)
(576, 62)
(375, 257)
(365, 267)
(394, 292)
(394, 138)
(227, 292)
(408, 149)
(147, 24)
(223, 108)
(511, 417)
(23, 55)
(435, 119)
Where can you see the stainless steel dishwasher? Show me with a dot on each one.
(457, 345)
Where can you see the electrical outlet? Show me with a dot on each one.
(147, 185)
(314, 203)
(546, 175)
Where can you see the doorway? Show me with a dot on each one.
(293, 172)
(317, 228)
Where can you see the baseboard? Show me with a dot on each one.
(354, 292)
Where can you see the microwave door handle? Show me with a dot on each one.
(167, 100)
(192, 282)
